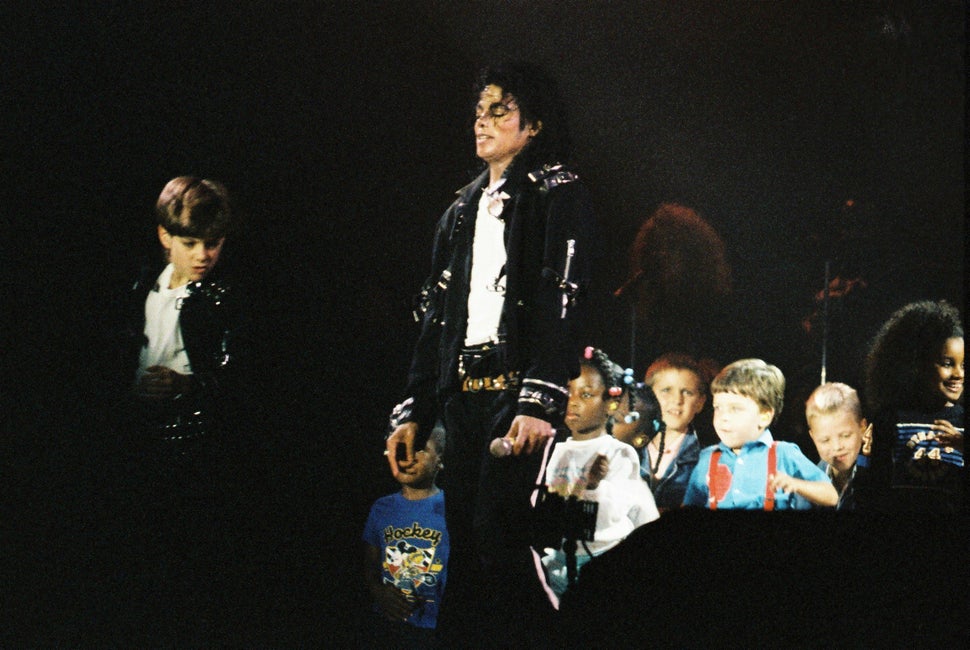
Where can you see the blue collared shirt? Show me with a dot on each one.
(749, 475)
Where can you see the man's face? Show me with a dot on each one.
(838, 438)
(499, 139)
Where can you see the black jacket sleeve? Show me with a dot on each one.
(548, 318)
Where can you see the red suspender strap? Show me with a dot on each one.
(713, 482)
(716, 479)
(772, 468)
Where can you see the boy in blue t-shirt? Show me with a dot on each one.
(406, 551)
(748, 469)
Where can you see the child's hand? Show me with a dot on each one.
(867, 441)
(947, 435)
(160, 383)
(393, 603)
(820, 493)
(597, 471)
(783, 482)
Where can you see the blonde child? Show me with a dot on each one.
(838, 429)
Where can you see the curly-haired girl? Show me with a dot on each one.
(914, 382)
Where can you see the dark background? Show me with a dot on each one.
(342, 130)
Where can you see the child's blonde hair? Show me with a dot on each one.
(755, 379)
(833, 397)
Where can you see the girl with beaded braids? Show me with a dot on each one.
(914, 383)
(591, 465)
(637, 419)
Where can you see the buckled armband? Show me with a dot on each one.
(429, 297)
(399, 415)
(548, 397)
(550, 176)
(422, 302)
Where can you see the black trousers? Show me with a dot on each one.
(494, 597)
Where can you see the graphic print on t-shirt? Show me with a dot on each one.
(412, 568)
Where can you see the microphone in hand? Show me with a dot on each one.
(500, 447)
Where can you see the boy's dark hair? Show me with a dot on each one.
(194, 207)
(755, 379)
(900, 352)
(539, 100)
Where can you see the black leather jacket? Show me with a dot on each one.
(213, 319)
(548, 224)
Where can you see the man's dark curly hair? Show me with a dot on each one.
(901, 352)
(683, 261)
(539, 100)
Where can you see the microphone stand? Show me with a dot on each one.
(825, 321)
(569, 546)
(580, 524)
(622, 291)
(633, 334)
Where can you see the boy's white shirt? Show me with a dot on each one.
(625, 501)
(162, 330)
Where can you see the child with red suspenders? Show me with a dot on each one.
(748, 469)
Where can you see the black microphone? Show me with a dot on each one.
(500, 447)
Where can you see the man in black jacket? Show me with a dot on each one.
(495, 352)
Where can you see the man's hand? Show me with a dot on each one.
(529, 434)
(404, 434)
(159, 383)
